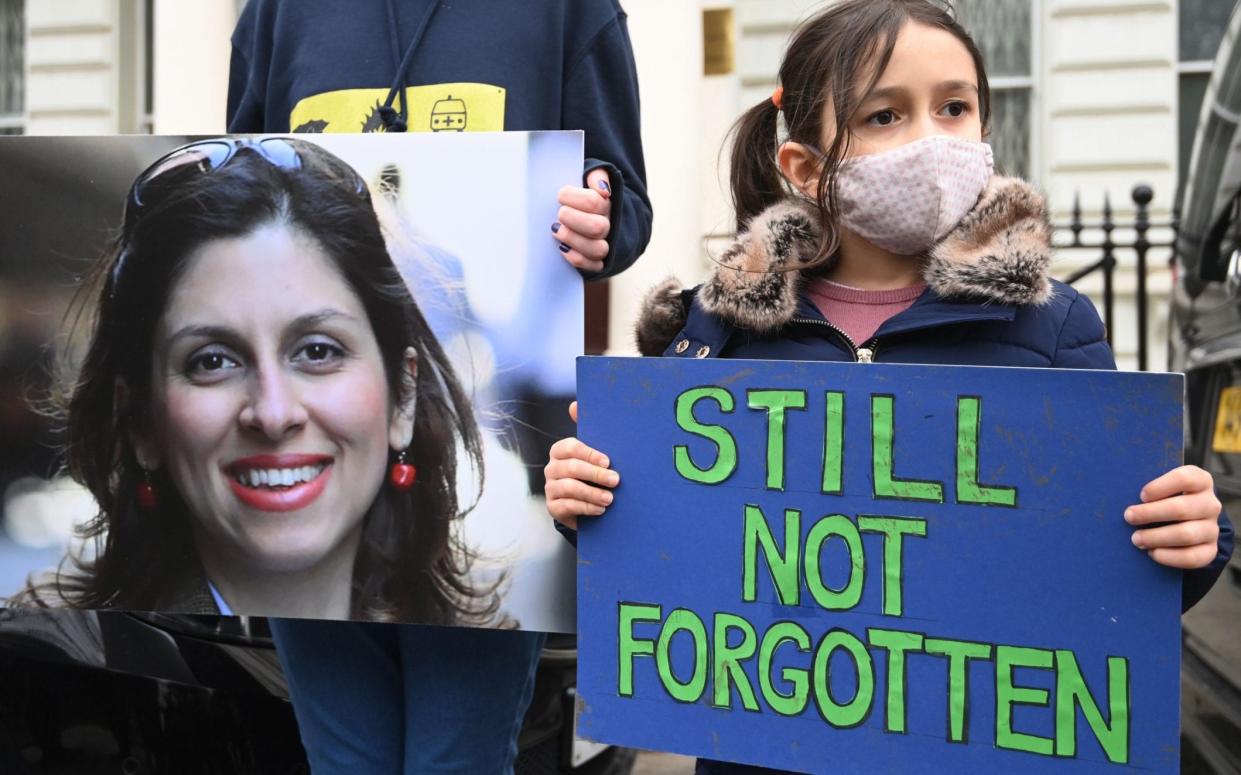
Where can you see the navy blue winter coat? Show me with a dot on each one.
(989, 302)
(490, 65)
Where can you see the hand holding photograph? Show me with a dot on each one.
(288, 385)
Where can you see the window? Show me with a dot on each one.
(1005, 32)
(135, 39)
(1201, 26)
(148, 66)
(12, 66)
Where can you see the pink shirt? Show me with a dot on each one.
(857, 312)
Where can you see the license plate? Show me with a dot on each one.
(1227, 438)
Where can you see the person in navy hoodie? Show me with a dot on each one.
(402, 698)
(464, 65)
(875, 229)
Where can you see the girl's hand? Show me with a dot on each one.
(1185, 499)
(584, 222)
(575, 478)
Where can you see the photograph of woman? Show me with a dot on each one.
(260, 410)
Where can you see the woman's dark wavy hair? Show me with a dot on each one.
(412, 564)
(830, 54)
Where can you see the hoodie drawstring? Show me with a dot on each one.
(393, 120)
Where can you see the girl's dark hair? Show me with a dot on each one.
(829, 55)
(412, 564)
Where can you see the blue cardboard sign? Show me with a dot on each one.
(878, 568)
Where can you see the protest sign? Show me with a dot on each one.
(221, 513)
(878, 568)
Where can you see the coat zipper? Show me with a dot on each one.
(860, 354)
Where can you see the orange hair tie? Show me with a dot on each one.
(777, 98)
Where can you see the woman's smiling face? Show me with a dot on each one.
(270, 408)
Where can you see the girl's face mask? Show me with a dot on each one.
(906, 199)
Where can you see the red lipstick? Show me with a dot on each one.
(278, 499)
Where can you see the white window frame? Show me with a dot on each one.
(1188, 67)
(146, 31)
(1195, 66)
(133, 25)
(21, 119)
(1030, 83)
(1183, 68)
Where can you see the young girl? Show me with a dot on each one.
(877, 231)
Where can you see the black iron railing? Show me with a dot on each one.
(1141, 245)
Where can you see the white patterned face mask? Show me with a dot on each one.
(906, 199)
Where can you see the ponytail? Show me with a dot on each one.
(829, 55)
(755, 178)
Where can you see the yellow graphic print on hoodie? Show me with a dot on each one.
(441, 107)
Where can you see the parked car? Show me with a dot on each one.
(1205, 343)
(131, 693)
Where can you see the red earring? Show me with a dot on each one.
(403, 475)
(148, 496)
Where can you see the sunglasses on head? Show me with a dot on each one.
(205, 157)
(210, 155)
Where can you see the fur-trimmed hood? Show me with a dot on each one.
(1000, 252)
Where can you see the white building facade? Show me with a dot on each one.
(1090, 98)
(103, 66)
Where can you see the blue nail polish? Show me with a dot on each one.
(603, 184)
(555, 227)
(564, 248)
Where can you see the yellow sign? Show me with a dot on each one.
(718, 41)
(441, 107)
(1227, 437)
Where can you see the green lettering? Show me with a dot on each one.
(1007, 695)
(776, 402)
(1071, 693)
(853, 712)
(894, 530)
(958, 652)
(727, 669)
(630, 646)
(969, 417)
(726, 447)
(834, 443)
(781, 565)
(683, 620)
(886, 485)
(847, 596)
(794, 702)
(896, 643)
